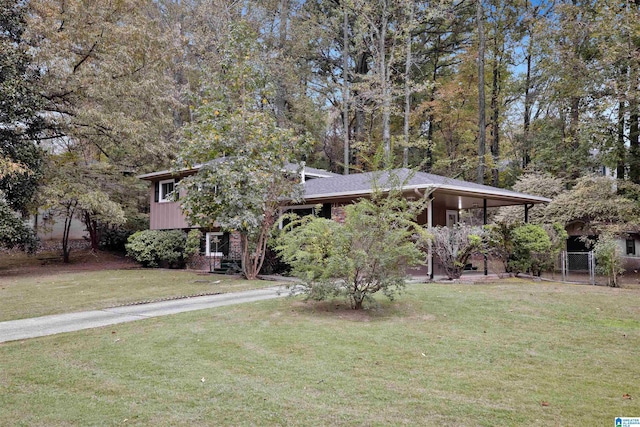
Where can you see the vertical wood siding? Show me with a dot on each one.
(165, 215)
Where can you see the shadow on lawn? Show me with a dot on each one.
(46, 263)
(340, 309)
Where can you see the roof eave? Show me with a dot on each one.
(525, 198)
(168, 173)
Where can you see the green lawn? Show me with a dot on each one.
(24, 296)
(506, 354)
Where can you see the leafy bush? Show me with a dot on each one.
(499, 242)
(536, 249)
(115, 237)
(453, 246)
(608, 254)
(369, 252)
(158, 248)
(192, 244)
(14, 232)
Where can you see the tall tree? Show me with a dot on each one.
(482, 131)
(107, 84)
(501, 23)
(236, 135)
(345, 87)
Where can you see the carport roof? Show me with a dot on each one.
(458, 194)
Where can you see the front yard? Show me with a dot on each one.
(503, 354)
(30, 287)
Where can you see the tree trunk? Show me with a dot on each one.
(407, 87)
(92, 228)
(575, 122)
(634, 143)
(248, 268)
(65, 241)
(361, 69)
(280, 100)
(620, 146)
(495, 109)
(345, 87)
(526, 152)
(429, 154)
(66, 250)
(634, 110)
(481, 101)
(386, 91)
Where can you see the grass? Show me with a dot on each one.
(40, 293)
(505, 354)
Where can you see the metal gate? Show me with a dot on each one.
(582, 263)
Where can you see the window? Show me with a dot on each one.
(452, 218)
(166, 188)
(304, 210)
(631, 247)
(217, 244)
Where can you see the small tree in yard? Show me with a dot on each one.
(453, 246)
(70, 191)
(608, 254)
(368, 253)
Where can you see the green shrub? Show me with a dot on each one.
(499, 243)
(535, 248)
(192, 244)
(14, 232)
(115, 237)
(158, 248)
(369, 252)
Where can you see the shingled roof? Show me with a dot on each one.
(362, 184)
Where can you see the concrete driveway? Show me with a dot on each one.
(68, 322)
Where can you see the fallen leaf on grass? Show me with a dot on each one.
(544, 403)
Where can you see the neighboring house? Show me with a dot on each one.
(49, 226)
(578, 231)
(447, 198)
(629, 245)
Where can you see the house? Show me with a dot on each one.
(578, 230)
(447, 198)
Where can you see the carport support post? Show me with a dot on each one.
(429, 226)
(484, 220)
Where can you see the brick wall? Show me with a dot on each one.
(235, 246)
(338, 213)
(201, 262)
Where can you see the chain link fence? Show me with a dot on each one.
(576, 267)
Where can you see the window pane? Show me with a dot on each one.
(166, 189)
(631, 247)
